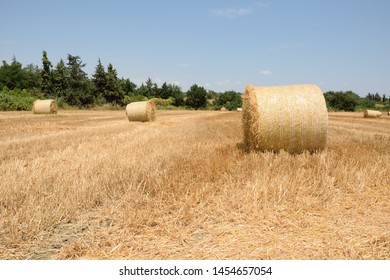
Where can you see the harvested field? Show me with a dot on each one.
(92, 185)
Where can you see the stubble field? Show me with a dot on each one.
(91, 185)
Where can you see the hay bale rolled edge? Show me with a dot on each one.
(48, 106)
(372, 114)
(291, 118)
(143, 111)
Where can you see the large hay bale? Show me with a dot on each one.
(48, 106)
(291, 118)
(142, 111)
(372, 114)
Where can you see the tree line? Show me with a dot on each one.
(350, 101)
(69, 84)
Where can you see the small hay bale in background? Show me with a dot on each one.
(48, 106)
(142, 111)
(291, 118)
(239, 109)
(372, 114)
(223, 109)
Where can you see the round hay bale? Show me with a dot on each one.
(48, 106)
(239, 109)
(372, 114)
(223, 109)
(291, 118)
(142, 111)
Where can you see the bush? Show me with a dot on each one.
(15, 100)
(344, 101)
(133, 98)
(231, 100)
(196, 97)
(160, 102)
(11, 102)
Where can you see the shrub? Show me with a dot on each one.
(11, 102)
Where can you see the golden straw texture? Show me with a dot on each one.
(48, 106)
(372, 114)
(291, 118)
(143, 111)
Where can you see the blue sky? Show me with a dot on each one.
(221, 45)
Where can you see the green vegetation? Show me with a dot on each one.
(350, 101)
(15, 100)
(69, 84)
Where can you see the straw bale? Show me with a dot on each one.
(292, 118)
(372, 114)
(223, 109)
(239, 109)
(142, 111)
(48, 106)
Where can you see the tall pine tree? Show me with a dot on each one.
(99, 80)
(46, 75)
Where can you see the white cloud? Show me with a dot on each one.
(231, 12)
(227, 84)
(266, 72)
(238, 12)
(177, 83)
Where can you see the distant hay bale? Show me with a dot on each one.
(48, 106)
(388, 113)
(291, 118)
(223, 109)
(239, 109)
(372, 114)
(142, 111)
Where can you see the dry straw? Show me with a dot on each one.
(372, 114)
(48, 106)
(291, 118)
(142, 111)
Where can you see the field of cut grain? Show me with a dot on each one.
(92, 185)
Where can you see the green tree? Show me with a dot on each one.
(127, 86)
(151, 89)
(196, 97)
(231, 100)
(60, 80)
(46, 75)
(177, 94)
(12, 75)
(99, 80)
(142, 90)
(79, 91)
(345, 101)
(113, 93)
(165, 91)
(33, 77)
